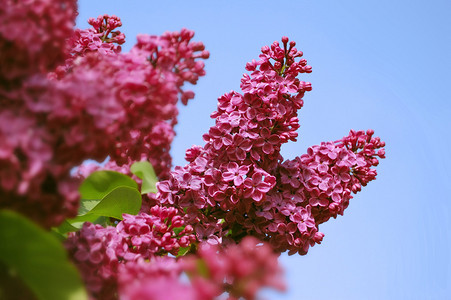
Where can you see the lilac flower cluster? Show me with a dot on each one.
(158, 279)
(315, 187)
(148, 79)
(69, 95)
(242, 149)
(238, 185)
(97, 103)
(98, 251)
(325, 177)
(155, 234)
(32, 38)
(129, 259)
(102, 37)
(239, 270)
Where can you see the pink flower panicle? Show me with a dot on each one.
(240, 270)
(105, 26)
(146, 84)
(317, 186)
(127, 260)
(174, 60)
(159, 233)
(238, 185)
(67, 96)
(102, 38)
(158, 279)
(58, 127)
(98, 251)
(234, 170)
(32, 38)
(103, 103)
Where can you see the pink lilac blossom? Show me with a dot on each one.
(174, 58)
(98, 251)
(235, 186)
(157, 279)
(126, 107)
(32, 38)
(155, 234)
(234, 170)
(30, 182)
(239, 179)
(101, 38)
(148, 79)
(241, 269)
(59, 129)
(33, 34)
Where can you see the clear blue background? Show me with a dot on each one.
(376, 64)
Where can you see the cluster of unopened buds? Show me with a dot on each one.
(222, 220)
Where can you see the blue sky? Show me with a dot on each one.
(376, 64)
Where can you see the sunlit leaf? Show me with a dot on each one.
(64, 228)
(121, 200)
(145, 171)
(100, 183)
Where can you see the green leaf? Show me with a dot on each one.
(104, 194)
(38, 259)
(78, 222)
(145, 171)
(64, 228)
(121, 200)
(100, 183)
(183, 251)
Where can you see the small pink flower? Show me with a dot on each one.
(235, 173)
(256, 187)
